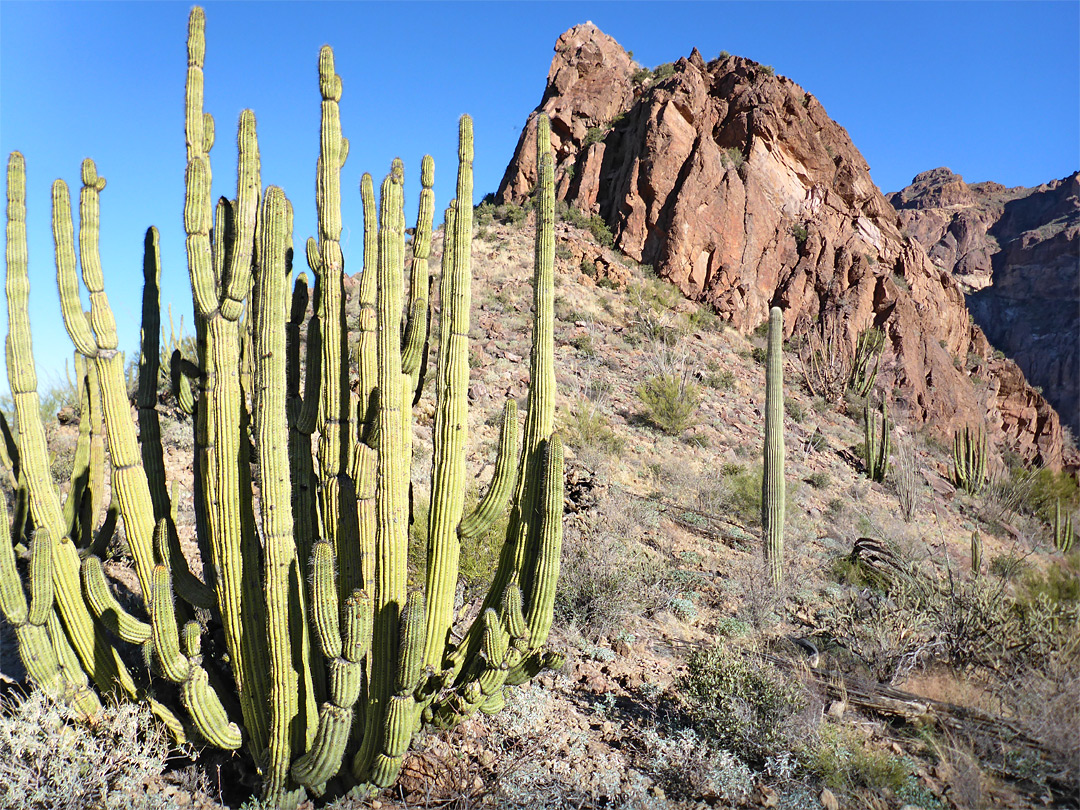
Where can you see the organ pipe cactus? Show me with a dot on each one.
(969, 460)
(1063, 530)
(301, 642)
(976, 553)
(772, 482)
(878, 442)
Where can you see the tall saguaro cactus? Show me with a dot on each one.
(772, 482)
(307, 648)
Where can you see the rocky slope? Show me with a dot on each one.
(735, 184)
(1017, 251)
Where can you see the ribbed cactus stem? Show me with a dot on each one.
(98, 659)
(290, 682)
(451, 428)
(772, 483)
(878, 443)
(976, 553)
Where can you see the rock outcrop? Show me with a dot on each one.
(1017, 253)
(736, 185)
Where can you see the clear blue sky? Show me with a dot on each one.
(991, 90)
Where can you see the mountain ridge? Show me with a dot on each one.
(736, 185)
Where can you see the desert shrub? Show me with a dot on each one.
(664, 70)
(1008, 567)
(906, 479)
(589, 430)
(594, 135)
(843, 761)
(768, 70)
(721, 379)
(670, 401)
(819, 480)
(758, 355)
(606, 574)
(735, 156)
(744, 704)
(50, 758)
(800, 233)
(794, 410)
(1059, 584)
(686, 766)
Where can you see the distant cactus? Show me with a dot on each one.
(772, 483)
(332, 664)
(969, 460)
(1063, 530)
(878, 443)
(866, 361)
(976, 553)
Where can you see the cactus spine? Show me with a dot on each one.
(878, 442)
(969, 460)
(344, 674)
(772, 482)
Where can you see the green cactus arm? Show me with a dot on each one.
(325, 608)
(197, 205)
(76, 685)
(207, 712)
(9, 452)
(80, 466)
(416, 331)
(772, 500)
(290, 680)
(451, 429)
(365, 470)
(367, 338)
(12, 599)
(523, 530)
(96, 656)
(323, 759)
(236, 282)
(495, 499)
(540, 587)
(66, 279)
(150, 446)
(168, 552)
(101, 318)
(357, 618)
(174, 664)
(391, 504)
(101, 600)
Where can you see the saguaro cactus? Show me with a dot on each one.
(325, 687)
(976, 553)
(772, 482)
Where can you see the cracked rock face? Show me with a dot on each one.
(1017, 252)
(737, 186)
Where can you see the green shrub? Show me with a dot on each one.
(664, 70)
(641, 75)
(600, 231)
(819, 480)
(800, 233)
(594, 135)
(745, 704)
(843, 761)
(670, 400)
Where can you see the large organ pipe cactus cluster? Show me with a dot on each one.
(332, 663)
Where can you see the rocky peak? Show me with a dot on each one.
(937, 188)
(736, 185)
(1016, 252)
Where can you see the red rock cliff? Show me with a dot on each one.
(737, 186)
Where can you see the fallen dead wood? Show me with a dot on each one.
(988, 730)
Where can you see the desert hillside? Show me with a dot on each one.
(736, 185)
(889, 670)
